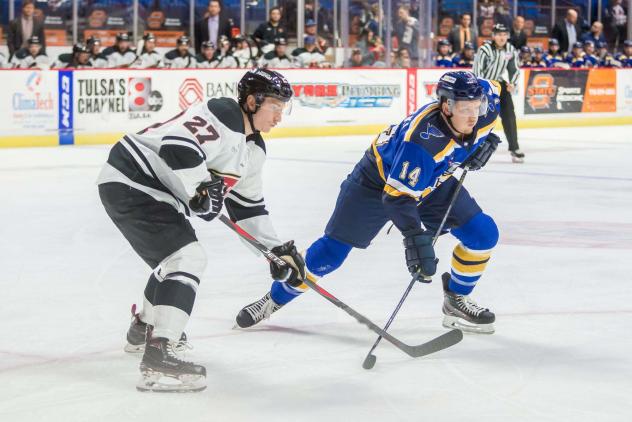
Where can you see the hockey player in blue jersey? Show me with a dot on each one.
(444, 57)
(405, 176)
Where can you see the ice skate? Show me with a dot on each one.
(163, 371)
(463, 313)
(257, 312)
(136, 336)
(517, 156)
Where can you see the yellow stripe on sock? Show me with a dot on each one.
(467, 255)
(468, 269)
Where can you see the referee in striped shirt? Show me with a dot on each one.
(497, 60)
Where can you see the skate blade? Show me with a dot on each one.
(467, 327)
(160, 383)
(134, 349)
(517, 160)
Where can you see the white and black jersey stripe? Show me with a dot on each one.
(497, 64)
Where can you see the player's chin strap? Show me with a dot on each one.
(249, 114)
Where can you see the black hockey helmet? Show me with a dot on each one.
(149, 37)
(122, 36)
(80, 48)
(262, 83)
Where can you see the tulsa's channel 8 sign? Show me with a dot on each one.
(141, 97)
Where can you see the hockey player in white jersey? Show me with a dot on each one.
(148, 58)
(120, 54)
(156, 178)
(180, 57)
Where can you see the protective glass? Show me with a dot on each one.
(468, 108)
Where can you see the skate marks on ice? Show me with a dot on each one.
(567, 234)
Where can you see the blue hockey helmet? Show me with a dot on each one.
(461, 85)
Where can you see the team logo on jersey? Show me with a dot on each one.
(344, 95)
(189, 93)
(430, 131)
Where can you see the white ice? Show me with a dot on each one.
(559, 282)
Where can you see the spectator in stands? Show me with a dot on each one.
(590, 59)
(376, 16)
(308, 56)
(567, 32)
(244, 52)
(463, 33)
(525, 56)
(31, 56)
(466, 58)
(212, 26)
(149, 58)
(278, 57)
(605, 58)
(596, 33)
(23, 28)
(538, 59)
(205, 60)
(444, 56)
(486, 10)
(322, 44)
(120, 54)
(518, 37)
(576, 57)
(97, 59)
(554, 55)
(406, 32)
(403, 58)
(625, 58)
(376, 49)
(267, 32)
(358, 59)
(501, 14)
(180, 57)
(617, 20)
(224, 58)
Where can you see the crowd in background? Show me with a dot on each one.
(572, 43)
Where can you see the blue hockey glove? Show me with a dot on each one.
(420, 254)
(481, 156)
(294, 272)
(209, 198)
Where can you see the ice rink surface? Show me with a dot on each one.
(560, 283)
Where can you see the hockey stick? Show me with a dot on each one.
(369, 361)
(446, 340)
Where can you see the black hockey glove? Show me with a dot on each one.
(481, 156)
(292, 273)
(420, 254)
(209, 199)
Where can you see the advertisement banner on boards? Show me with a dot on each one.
(131, 100)
(559, 91)
(29, 105)
(624, 90)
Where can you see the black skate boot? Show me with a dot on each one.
(136, 336)
(463, 313)
(517, 156)
(257, 312)
(163, 371)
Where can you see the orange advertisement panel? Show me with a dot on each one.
(601, 91)
(541, 42)
(55, 37)
(166, 38)
(108, 37)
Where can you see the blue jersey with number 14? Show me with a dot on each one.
(410, 160)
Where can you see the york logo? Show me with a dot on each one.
(189, 93)
(541, 91)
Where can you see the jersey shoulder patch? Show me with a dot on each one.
(228, 112)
